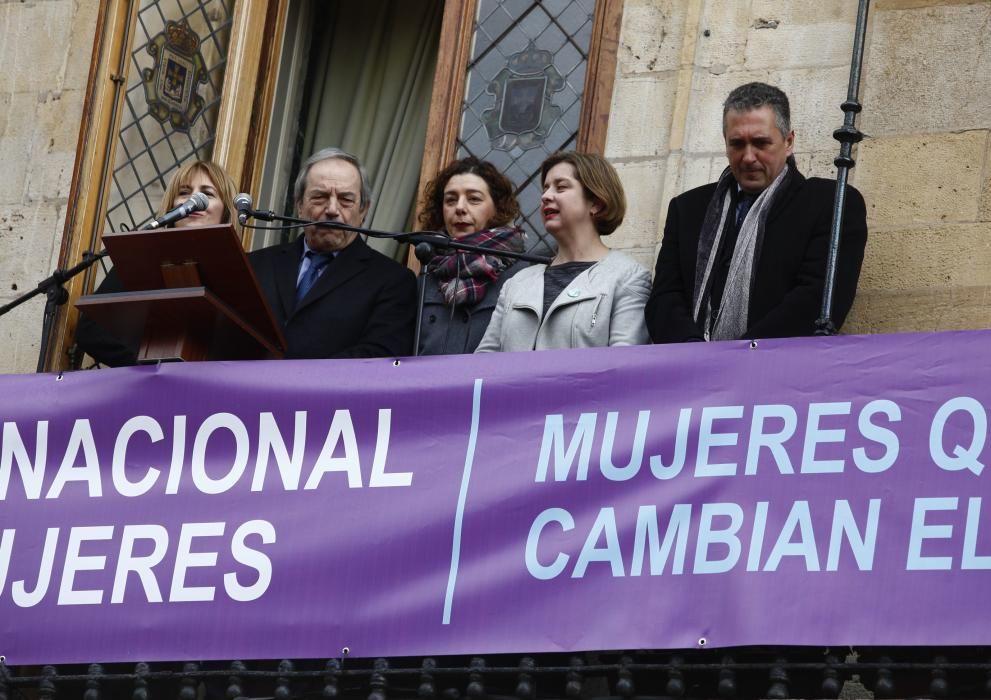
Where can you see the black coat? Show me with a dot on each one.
(362, 305)
(786, 298)
(99, 343)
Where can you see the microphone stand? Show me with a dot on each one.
(424, 253)
(425, 247)
(847, 135)
(56, 296)
(436, 239)
(425, 244)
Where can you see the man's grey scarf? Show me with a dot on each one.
(731, 320)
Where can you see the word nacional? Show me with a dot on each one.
(224, 435)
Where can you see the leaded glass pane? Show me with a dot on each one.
(171, 102)
(523, 94)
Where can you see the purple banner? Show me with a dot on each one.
(816, 491)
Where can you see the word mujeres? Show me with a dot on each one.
(726, 441)
(90, 565)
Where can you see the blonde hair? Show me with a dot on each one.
(600, 182)
(218, 176)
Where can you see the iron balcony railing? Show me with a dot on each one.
(747, 672)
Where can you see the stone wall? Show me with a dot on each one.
(45, 50)
(924, 166)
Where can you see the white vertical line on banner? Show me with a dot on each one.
(452, 577)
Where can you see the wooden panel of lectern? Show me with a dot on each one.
(192, 295)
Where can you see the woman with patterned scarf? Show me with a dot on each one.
(475, 204)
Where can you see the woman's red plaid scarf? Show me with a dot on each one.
(463, 277)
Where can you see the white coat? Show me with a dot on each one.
(603, 306)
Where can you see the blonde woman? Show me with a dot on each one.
(209, 178)
(198, 176)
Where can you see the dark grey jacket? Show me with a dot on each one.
(454, 331)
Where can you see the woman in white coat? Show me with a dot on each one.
(589, 295)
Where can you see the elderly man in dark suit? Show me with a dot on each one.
(745, 257)
(333, 295)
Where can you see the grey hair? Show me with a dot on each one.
(756, 95)
(332, 153)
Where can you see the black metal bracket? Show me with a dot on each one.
(847, 135)
(56, 296)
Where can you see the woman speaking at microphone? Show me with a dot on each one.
(474, 203)
(200, 176)
(589, 296)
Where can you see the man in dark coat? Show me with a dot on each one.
(745, 257)
(332, 295)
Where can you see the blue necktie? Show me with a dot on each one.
(317, 263)
(743, 206)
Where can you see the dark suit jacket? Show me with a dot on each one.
(363, 305)
(790, 274)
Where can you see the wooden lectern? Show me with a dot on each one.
(193, 296)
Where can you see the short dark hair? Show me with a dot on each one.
(501, 189)
(600, 182)
(756, 95)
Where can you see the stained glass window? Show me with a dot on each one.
(523, 97)
(170, 106)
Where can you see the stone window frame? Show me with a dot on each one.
(245, 114)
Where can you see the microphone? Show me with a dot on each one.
(242, 203)
(198, 202)
(424, 252)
